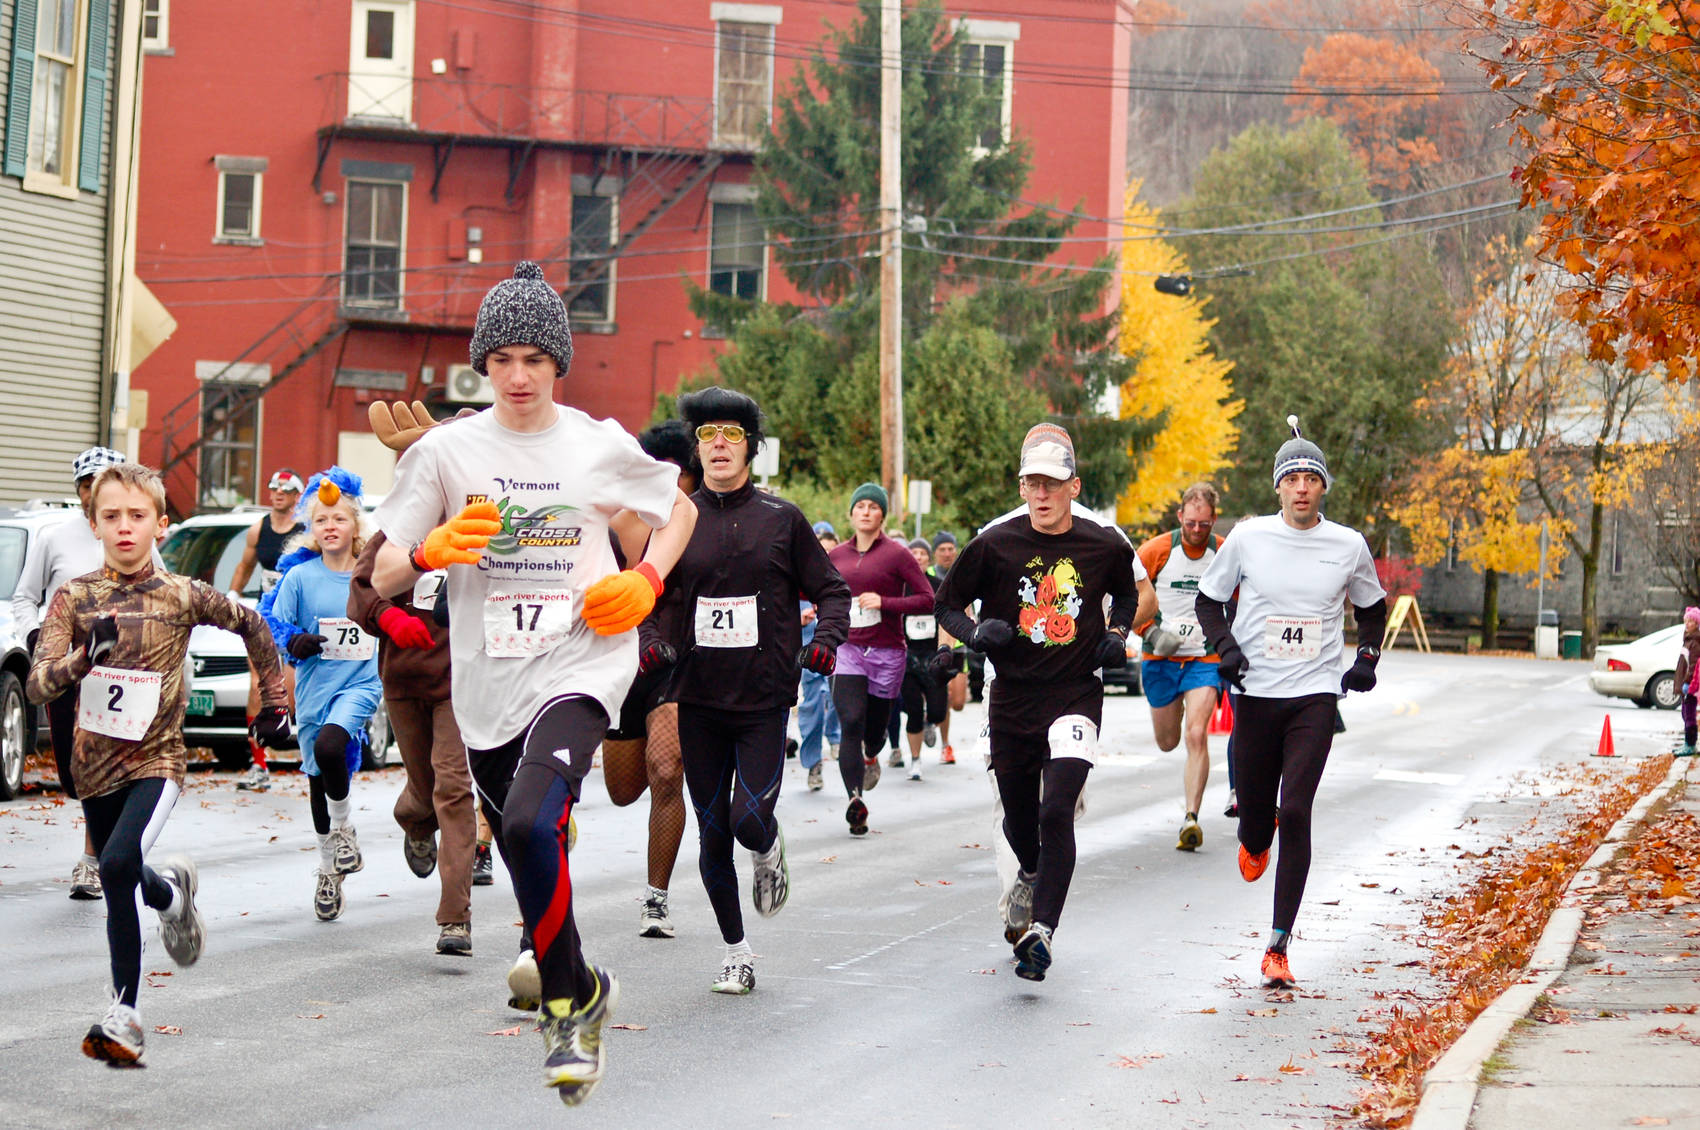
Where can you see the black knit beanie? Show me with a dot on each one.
(523, 310)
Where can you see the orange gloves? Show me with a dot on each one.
(619, 603)
(460, 540)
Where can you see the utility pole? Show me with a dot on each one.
(891, 252)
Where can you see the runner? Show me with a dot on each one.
(641, 750)
(816, 717)
(752, 559)
(954, 676)
(517, 503)
(1178, 669)
(1041, 584)
(57, 553)
(338, 688)
(1294, 572)
(261, 549)
(885, 585)
(924, 693)
(121, 634)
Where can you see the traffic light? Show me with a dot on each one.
(1174, 284)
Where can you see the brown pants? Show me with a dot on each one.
(438, 796)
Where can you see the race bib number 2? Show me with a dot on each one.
(1292, 637)
(518, 624)
(726, 621)
(119, 703)
(344, 640)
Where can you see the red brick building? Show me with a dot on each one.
(329, 186)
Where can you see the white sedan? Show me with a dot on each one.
(1643, 670)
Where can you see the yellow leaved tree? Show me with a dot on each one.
(1175, 376)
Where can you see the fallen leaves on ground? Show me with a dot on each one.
(514, 1031)
(168, 1029)
(312, 1016)
(631, 1027)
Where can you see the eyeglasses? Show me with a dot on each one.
(285, 482)
(1042, 483)
(706, 433)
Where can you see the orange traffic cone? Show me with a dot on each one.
(1607, 749)
(1222, 722)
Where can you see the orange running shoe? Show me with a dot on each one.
(1277, 974)
(1252, 866)
(948, 757)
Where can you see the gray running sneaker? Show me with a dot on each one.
(85, 881)
(327, 895)
(525, 983)
(346, 849)
(455, 939)
(815, 778)
(1033, 953)
(117, 1039)
(421, 855)
(895, 758)
(737, 976)
(575, 1058)
(771, 885)
(870, 773)
(930, 735)
(257, 779)
(652, 920)
(183, 933)
(1020, 914)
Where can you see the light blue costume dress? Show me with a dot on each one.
(343, 692)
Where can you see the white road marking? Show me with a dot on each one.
(1413, 778)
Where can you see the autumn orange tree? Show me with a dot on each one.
(1389, 131)
(1606, 105)
(1176, 377)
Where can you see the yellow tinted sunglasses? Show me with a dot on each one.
(706, 433)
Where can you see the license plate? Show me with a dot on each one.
(201, 702)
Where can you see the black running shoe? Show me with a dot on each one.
(857, 816)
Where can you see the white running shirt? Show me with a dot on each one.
(557, 490)
(1293, 585)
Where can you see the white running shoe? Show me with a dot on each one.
(525, 983)
(737, 976)
(117, 1039)
(346, 848)
(1019, 915)
(183, 933)
(652, 920)
(771, 885)
(815, 780)
(257, 779)
(85, 881)
(327, 895)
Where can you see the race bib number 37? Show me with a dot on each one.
(526, 623)
(118, 703)
(344, 640)
(1292, 637)
(726, 621)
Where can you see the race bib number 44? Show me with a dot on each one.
(518, 624)
(344, 640)
(119, 703)
(1292, 637)
(726, 621)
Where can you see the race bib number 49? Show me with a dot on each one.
(1292, 637)
(518, 624)
(920, 627)
(344, 640)
(726, 621)
(118, 703)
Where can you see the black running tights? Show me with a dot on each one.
(330, 750)
(529, 785)
(1040, 831)
(734, 762)
(862, 717)
(124, 825)
(1280, 748)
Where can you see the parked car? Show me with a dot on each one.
(208, 548)
(1643, 670)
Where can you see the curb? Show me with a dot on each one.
(1449, 1088)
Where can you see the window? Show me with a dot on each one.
(53, 103)
(736, 252)
(743, 66)
(372, 270)
(239, 183)
(1617, 546)
(56, 104)
(229, 446)
(156, 25)
(595, 227)
(1451, 545)
(986, 50)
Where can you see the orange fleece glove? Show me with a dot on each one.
(619, 603)
(460, 540)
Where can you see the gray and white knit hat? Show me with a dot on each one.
(1299, 454)
(523, 310)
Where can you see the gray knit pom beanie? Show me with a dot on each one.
(1299, 454)
(523, 310)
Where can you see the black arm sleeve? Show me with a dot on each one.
(1214, 619)
(1372, 623)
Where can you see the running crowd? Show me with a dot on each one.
(540, 588)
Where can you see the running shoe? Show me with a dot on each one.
(421, 855)
(895, 758)
(1233, 809)
(737, 976)
(815, 778)
(832, 751)
(346, 850)
(948, 757)
(1252, 866)
(1191, 835)
(85, 881)
(930, 735)
(915, 770)
(1684, 750)
(790, 748)
(652, 920)
(870, 773)
(257, 779)
(1033, 953)
(572, 832)
(183, 933)
(327, 895)
(525, 983)
(483, 867)
(455, 939)
(1277, 974)
(575, 1058)
(771, 885)
(117, 1039)
(857, 816)
(1019, 916)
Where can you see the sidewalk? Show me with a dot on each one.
(1609, 1027)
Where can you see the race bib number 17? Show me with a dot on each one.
(518, 624)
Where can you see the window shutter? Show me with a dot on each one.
(94, 96)
(20, 88)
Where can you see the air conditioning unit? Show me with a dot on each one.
(467, 385)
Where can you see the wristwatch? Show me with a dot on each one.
(1369, 651)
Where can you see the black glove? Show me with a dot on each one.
(1233, 665)
(270, 726)
(305, 644)
(946, 662)
(103, 637)
(1360, 676)
(656, 657)
(35, 634)
(1112, 652)
(990, 634)
(817, 657)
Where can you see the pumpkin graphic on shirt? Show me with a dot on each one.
(1050, 603)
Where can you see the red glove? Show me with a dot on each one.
(406, 630)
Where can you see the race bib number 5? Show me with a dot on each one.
(119, 703)
(344, 640)
(1292, 637)
(518, 624)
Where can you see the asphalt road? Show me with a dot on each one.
(886, 995)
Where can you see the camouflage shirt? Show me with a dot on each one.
(155, 612)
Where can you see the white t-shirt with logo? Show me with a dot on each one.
(516, 634)
(1293, 586)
